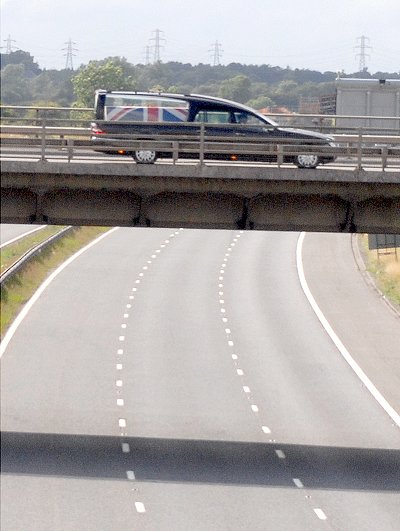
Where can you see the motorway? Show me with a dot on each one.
(179, 379)
(10, 233)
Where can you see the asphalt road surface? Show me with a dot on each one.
(179, 379)
(11, 232)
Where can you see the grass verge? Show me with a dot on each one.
(12, 252)
(18, 290)
(385, 269)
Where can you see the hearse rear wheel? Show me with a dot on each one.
(307, 161)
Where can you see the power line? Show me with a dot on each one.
(157, 45)
(217, 52)
(363, 55)
(70, 54)
(9, 45)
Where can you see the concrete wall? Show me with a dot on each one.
(255, 198)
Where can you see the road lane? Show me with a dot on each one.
(11, 232)
(221, 410)
(363, 320)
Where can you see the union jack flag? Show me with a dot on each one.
(146, 114)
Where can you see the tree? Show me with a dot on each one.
(19, 57)
(261, 102)
(99, 75)
(237, 88)
(14, 85)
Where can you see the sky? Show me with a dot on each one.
(322, 35)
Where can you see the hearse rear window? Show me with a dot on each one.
(138, 108)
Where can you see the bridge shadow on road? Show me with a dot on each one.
(200, 461)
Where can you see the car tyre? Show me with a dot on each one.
(145, 156)
(307, 161)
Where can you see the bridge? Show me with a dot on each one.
(55, 178)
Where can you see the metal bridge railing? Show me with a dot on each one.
(47, 141)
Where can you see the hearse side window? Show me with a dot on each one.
(247, 118)
(214, 117)
(141, 108)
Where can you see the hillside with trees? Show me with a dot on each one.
(260, 86)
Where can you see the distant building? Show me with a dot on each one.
(368, 97)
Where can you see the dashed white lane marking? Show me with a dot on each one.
(126, 448)
(126, 315)
(223, 310)
(119, 366)
(298, 483)
(280, 454)
(121, 338)
(227, 330)
(320, 513)
(119, 383)
(230, 343)
(122, 423)
(224, 320)
(129, 306)
(140, 507)
(265, 429)
(240, 372)
(130, 475)
(235, 356)
(123, 325)
(120, 351)
(120, 401)
(254, 408)
(339, 345)
(246, 389)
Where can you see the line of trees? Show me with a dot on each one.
(25, 83)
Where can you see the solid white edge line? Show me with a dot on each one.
(25, 310)
(40, 227)
(339, 345)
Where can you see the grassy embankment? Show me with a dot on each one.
(385, 269)
(20, 288)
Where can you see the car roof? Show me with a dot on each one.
(196, 98)
(187, 97)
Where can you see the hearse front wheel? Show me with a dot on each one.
(145, 156)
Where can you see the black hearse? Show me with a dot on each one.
(120, 116)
